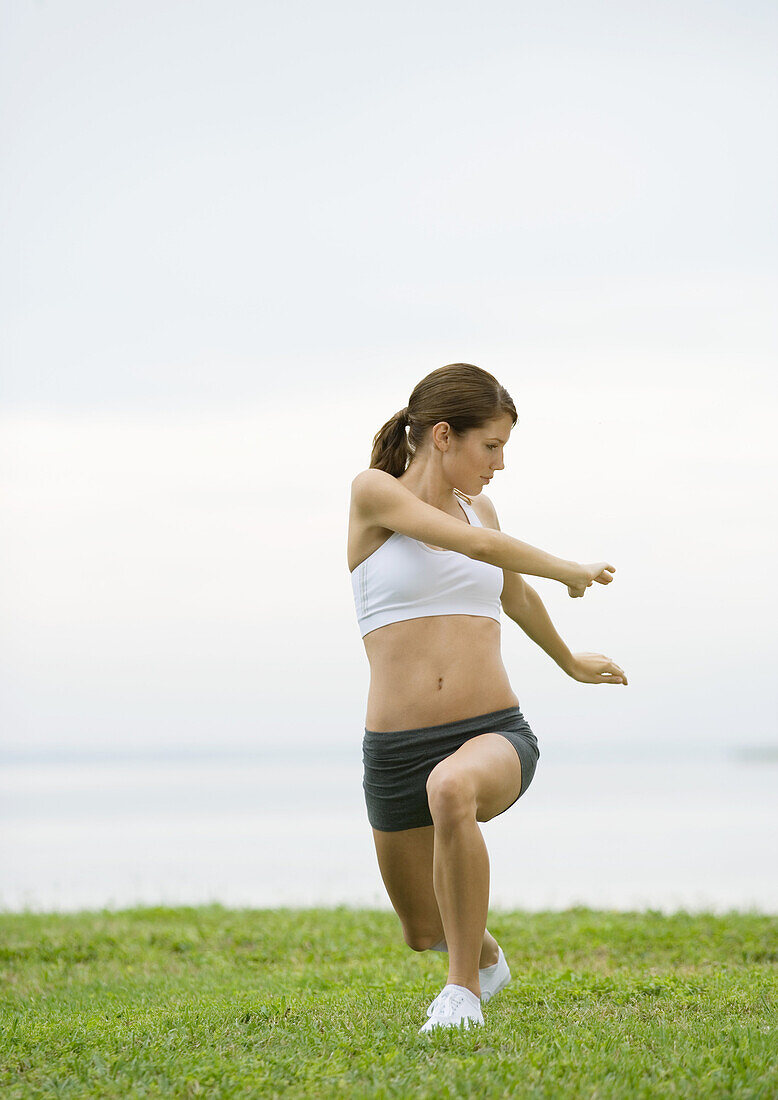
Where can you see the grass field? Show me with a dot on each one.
(216, 1002)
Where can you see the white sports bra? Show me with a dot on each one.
(406, 579)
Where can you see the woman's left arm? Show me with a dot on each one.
(521, 603)
(525, 607)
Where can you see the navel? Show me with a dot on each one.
(440, 682)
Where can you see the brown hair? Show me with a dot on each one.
(461, 394)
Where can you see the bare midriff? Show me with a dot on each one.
(433, 670)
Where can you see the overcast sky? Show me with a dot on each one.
(237, 236)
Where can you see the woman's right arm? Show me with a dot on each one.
(384, 502)
(509, 553)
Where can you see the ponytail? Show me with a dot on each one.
(390, 445)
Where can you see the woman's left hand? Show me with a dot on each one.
(594, 668)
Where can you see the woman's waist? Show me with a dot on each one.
(432, 670)
(429, 695)
(376, 743)
(416, 670)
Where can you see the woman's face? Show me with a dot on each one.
(473, 460)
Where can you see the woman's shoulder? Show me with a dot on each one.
(371, 482)
(485, 510)
(369, 485)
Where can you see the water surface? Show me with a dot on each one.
(626, 829)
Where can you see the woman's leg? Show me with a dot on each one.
(405, 860)
(475, 783)
(461, 880)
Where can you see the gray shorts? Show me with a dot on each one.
(397, 764)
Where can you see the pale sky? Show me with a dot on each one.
(236, 237)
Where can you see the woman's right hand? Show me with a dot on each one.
(599, 572)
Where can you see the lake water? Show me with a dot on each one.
(620, 830)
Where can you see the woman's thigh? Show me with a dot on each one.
(397, 765)
(405, 862)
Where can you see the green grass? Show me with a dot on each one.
(216, 1002)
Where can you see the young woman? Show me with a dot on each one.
(445, 743)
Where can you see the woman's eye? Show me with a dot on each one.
(492, 446)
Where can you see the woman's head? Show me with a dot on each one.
(458, 412)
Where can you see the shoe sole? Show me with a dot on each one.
(461, 1025)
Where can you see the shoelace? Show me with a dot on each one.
(431, 1008)
(434, 1006)
(446, 1003)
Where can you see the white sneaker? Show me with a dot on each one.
(454, 1006)
(494, 978)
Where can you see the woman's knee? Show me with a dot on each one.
(421, 939)
(450, 794)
